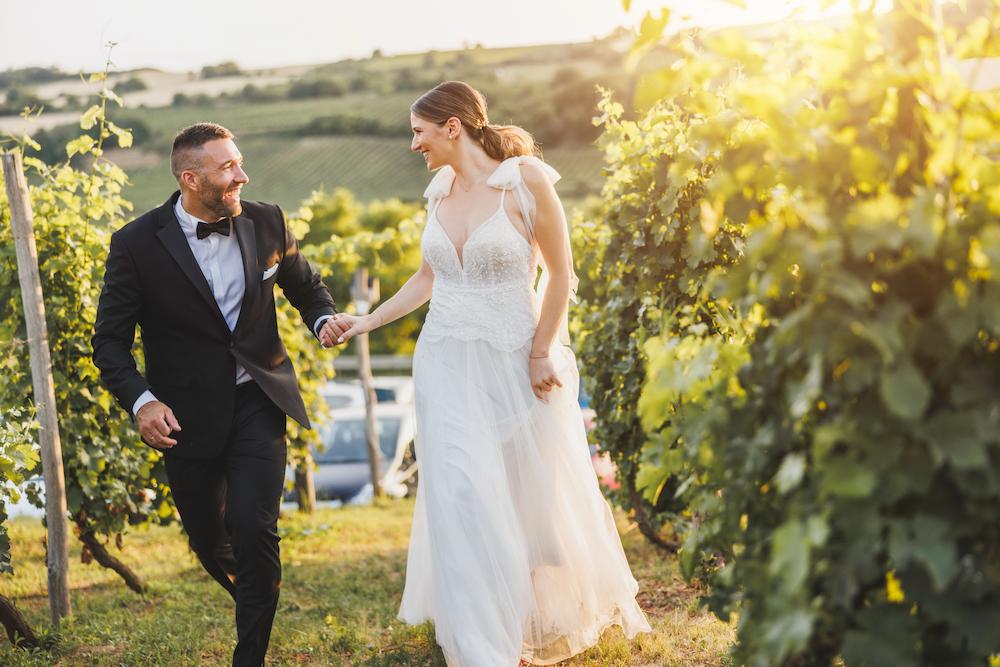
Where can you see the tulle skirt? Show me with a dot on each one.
(514, 553)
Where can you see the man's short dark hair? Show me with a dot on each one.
(182, 157)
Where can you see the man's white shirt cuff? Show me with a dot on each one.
(319, 324)
(145, 397)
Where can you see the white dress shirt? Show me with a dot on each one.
(221, 263)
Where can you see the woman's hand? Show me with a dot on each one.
(543, 377)
(343, 327)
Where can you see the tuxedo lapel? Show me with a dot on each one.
(246, 234)
(172, 237)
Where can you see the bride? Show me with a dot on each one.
(514, 554)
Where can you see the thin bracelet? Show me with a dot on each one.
(544, 356)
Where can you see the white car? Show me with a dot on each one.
(388, 389)
(339, 394)
(342, 470)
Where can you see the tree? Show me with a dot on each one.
(228, 68)
(18, 99)
(130, 85)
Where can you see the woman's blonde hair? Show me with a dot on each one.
(457, 99)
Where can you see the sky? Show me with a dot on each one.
(184, 35)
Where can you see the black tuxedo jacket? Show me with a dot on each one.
(152, 279)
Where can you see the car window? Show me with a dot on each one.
(384, 395)
(345, 440)
(338, 401)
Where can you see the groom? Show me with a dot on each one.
(197, 274)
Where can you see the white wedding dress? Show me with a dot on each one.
(514, 552)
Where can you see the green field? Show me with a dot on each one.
(287, 169)
(343, 579)
(247, 119)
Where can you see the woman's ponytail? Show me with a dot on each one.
(457, 99)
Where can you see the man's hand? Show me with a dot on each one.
(156, 422)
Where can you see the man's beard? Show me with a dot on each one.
(214, 202)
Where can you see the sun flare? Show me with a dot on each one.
(728, 12)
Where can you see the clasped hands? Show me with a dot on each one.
(343, 327)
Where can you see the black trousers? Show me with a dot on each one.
(229, 508)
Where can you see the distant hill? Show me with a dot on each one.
(346, 124)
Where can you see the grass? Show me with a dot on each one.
(343, 579)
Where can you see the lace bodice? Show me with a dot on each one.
(487, 293)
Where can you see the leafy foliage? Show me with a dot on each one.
(383, 236)
(799, 254)
(643, 250)
(52, 142)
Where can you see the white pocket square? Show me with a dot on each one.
(270, 272)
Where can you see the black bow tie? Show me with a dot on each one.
(206, 229)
